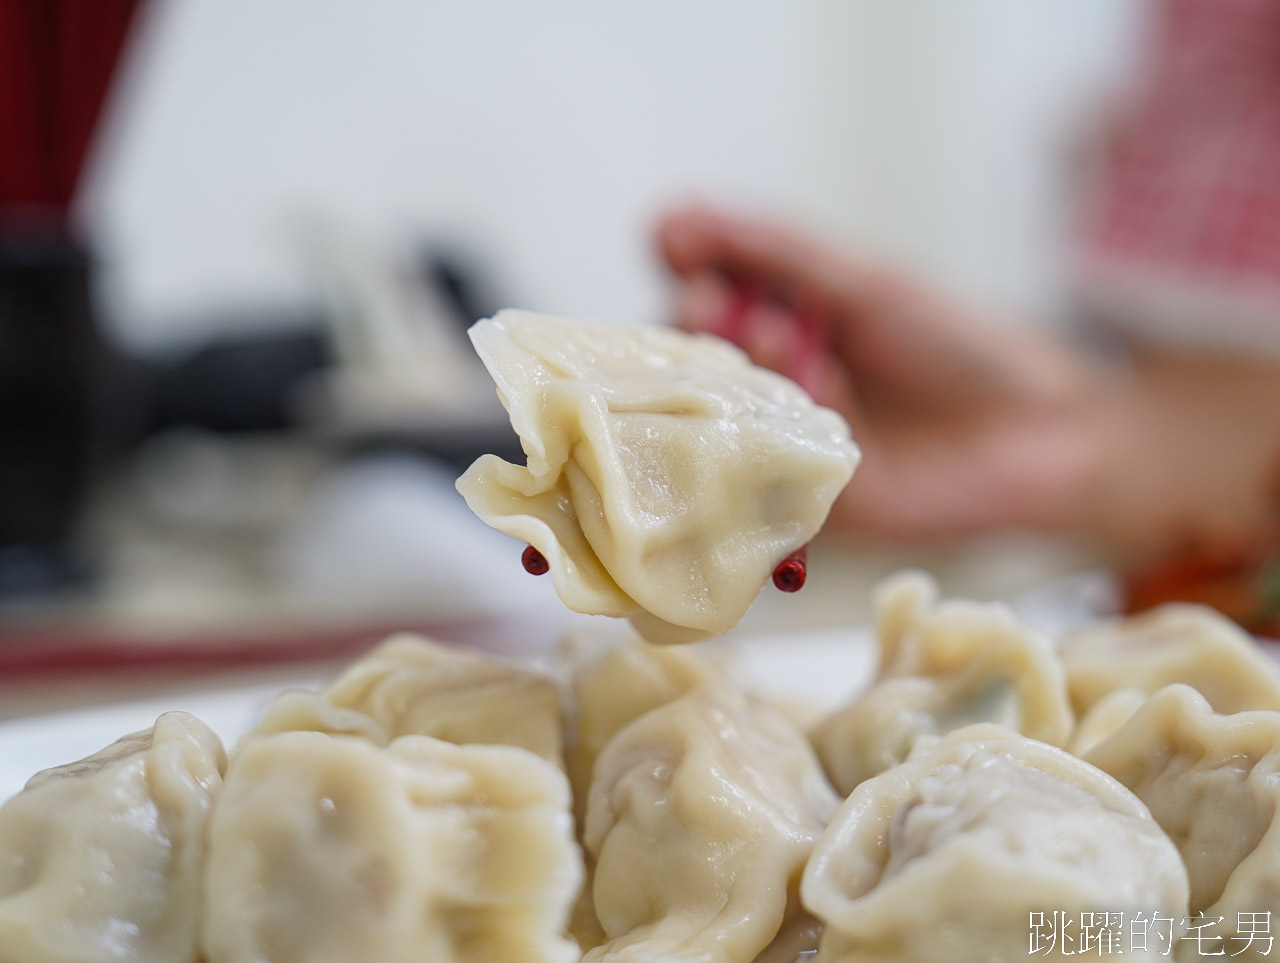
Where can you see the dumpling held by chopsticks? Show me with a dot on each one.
(667, 476)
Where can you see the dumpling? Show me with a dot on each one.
(1174, 643)
(409, 685)
(899, 603)
(621, 684)
(1104, 717)
(1212, 782)
(944, 665)
(328, 849)
(611, 687)
(946, 857)
(101, 859)
(667, 476)
(700, 817)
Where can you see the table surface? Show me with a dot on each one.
(73, 656)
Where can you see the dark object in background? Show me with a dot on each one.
(71, 404)
(53, 416)
(459, 283)
(57, 59)
(235, 384)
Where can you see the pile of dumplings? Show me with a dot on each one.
(987, 793)
(635, 804)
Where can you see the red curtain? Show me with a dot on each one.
(57, 58)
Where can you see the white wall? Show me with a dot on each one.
(546, 136)
(955, 129)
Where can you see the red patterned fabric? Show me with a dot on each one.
(1185, 228)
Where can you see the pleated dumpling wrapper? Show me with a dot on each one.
(330, 849)
(667, 475)
(968, 853)
(700, 816)
(943, 665)
(620, 685)
(1212, 782)
(410, 685)
(1176, 643)
(100, 860)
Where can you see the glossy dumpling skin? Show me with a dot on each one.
(700, 817)
(944, 857)
(621, 684)
(611, 687)
(667, 476)
(944, 665)
(1190, 644)
(328, 849)
(101, 859)
(409, 685)
(1212, 782)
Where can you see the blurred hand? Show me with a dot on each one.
(964, 426)
(967, 426)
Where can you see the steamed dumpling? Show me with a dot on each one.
(612, 687)
(621, 684)
(944, 665)
(945, 857)
(328, 849)
(1104, 717)
(409, 685)
(1174, 643)
(101, 859)
(1212, 782)
(667, 476)
(700, 817)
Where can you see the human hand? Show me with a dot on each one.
(965, 426)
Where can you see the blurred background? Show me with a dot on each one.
(543, 139)
(242, 241)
